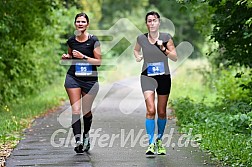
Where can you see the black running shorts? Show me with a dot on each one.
(88, 87)
(160, 83)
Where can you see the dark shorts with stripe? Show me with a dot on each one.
(88, 87)
(159, 83)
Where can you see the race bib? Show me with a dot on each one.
(83, 69)
(155, 69)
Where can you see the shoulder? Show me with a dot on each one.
(93, 37)
(94, 40)
(71, 39)
(165, 36)
(141, 38)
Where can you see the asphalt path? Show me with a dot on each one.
(117, 136)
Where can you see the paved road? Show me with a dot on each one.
(118, 136)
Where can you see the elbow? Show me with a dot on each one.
(98, 64)
(175, 57)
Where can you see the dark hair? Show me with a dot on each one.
(81, 14)
(152, 13)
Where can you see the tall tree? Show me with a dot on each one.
(93, 9)
(228, 22)
(21, 25)
(30, 41)
(233, 31)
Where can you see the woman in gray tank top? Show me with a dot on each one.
(157, 48)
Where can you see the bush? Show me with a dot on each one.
(226, 136)
(30, 47)
(229, 84)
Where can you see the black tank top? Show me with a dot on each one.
(85, 48)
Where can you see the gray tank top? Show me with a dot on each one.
(152, 54)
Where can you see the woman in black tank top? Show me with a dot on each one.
(81, 81)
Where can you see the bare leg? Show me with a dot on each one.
(150, 114)
(161, 109)
(161, 106)
(150, 104)
(74, 95)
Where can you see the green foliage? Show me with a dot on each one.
(228, 23)
(183, 20)
(31, 37)
(93, 9)
(229, 85)
(21, 26)
(20, 116)
(232, 84)
(226, 136)
(113, 10)
(188, 80)
(226, 123)
(232, 31)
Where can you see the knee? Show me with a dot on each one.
(162, 114)
(86, 110)
(87, 114)
(76, 110)
(151, 112)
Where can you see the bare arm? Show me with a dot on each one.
(137, 54)
(97, 57)
(68, 55)
(95, 61)
(171, 51)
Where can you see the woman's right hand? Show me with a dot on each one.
(66, 56)
(139, 58)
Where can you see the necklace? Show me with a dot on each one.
(153, 40)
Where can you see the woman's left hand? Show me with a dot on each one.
(77, 54)
(160, 44)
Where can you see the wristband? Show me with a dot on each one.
(85, 57)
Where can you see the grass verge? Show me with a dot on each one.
(187, 81)
(224, 123)
(16, 117)
(226, 136)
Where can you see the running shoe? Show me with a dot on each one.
(151, 150)
(79, 147)
(160, 148)
(86, 143)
